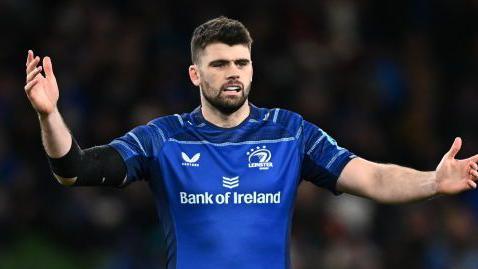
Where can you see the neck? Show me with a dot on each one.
(222, 120)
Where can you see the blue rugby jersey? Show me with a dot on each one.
(225, 196)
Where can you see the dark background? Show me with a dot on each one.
(393, 81)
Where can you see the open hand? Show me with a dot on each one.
(42, 91)
(453, 175)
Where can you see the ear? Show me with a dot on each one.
(194, 74)
(252, 71)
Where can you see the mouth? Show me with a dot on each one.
(232, 87)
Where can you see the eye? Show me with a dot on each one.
(242, 63)
(218, 64)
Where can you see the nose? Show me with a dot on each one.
(232, 77)
(233, 72)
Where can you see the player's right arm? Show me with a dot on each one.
(70, 164)
(42, 91)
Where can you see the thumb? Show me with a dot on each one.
(48, 67)
(454, 148)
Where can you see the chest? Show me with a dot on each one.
(214, 168)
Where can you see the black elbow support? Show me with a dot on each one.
(100, 165)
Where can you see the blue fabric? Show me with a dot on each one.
(225, 196)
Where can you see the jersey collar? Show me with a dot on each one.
(199, 120)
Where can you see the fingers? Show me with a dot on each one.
(472, 184)
(48, 67)
(29, 57)
(31, 84)
(34, 73)
(474, 173)
(455, 147)
(473, 165)
(473, 158)
(33, 63)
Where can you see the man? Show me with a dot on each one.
(225, 176)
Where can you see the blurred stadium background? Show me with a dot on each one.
(394, 81)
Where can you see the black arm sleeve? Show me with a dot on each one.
(100, 165)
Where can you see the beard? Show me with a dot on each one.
(226, 104)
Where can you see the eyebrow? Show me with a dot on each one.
(224, 61)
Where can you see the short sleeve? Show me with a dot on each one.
(135, 147)
(323, 159)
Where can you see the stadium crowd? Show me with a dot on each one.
(393, 81)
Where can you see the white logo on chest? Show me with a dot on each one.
(260, 158)
(230, 182)
(190, 161)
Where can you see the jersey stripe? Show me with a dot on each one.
(299, 132)
(137, 141)
(335, 158)
(161, 133)
(285, 139)
(123, 144)
(276, 113)
(316, 143)
(179, 119)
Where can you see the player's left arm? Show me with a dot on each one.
(389, 183)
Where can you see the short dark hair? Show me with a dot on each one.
(220, 29)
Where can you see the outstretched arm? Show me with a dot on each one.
(42, 91)
(388, 183)
(70, 164)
